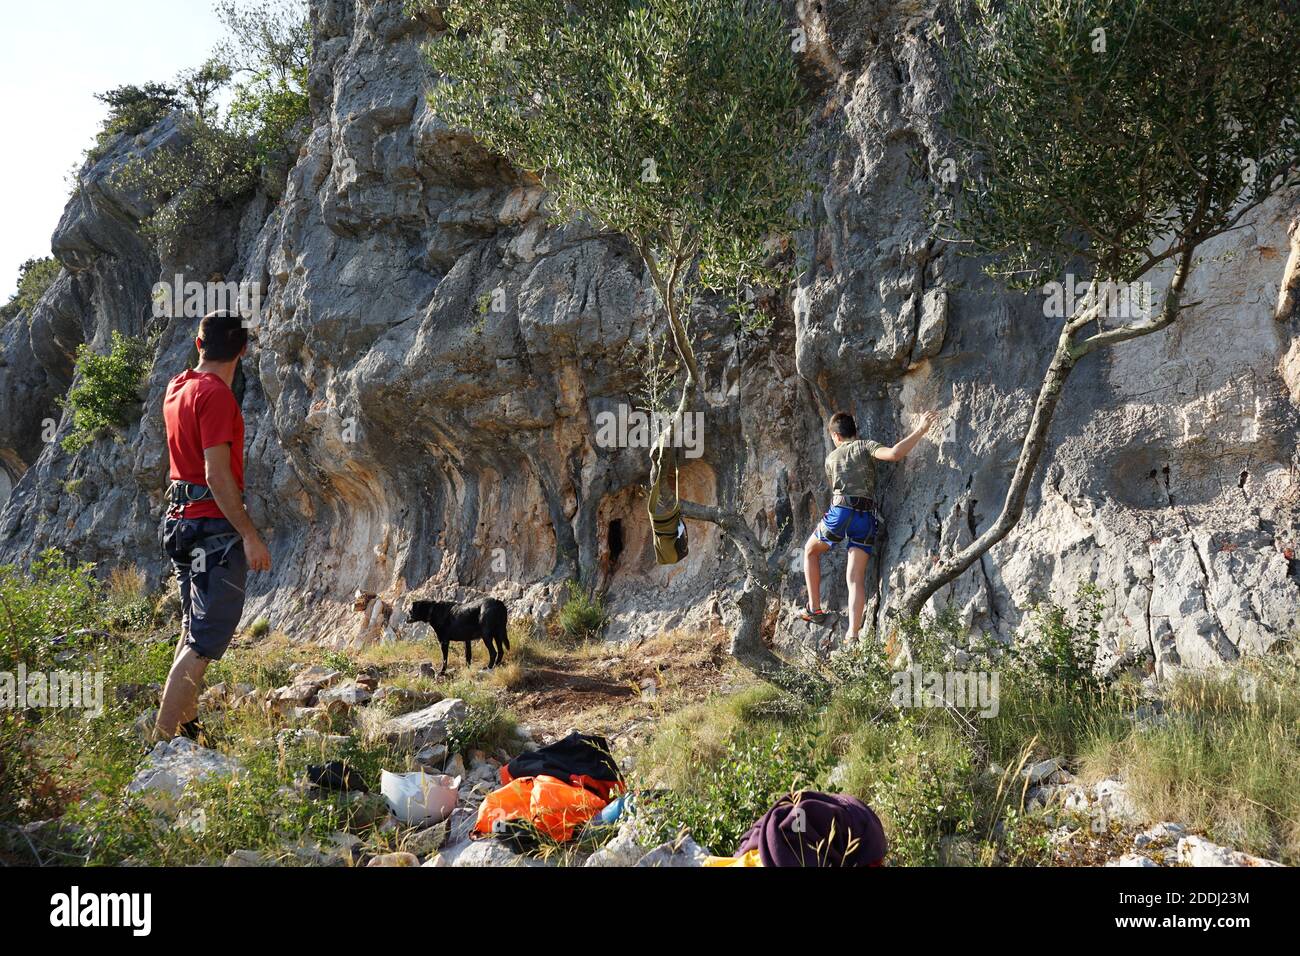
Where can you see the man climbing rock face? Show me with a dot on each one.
(207, 533)
(854, 512)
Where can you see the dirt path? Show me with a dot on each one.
(612, 691)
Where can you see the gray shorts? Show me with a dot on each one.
(211, 584)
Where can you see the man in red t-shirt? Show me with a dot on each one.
(207, 533)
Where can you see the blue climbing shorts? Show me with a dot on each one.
(211, 569)
(843, 523)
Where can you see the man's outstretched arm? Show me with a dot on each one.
(900, 451)
(225, 491)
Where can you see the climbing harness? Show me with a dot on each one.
(181, 536)
(182, 493)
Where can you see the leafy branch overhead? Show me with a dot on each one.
(1116, 132)
(671, 121)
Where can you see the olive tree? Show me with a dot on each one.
(1116, 137)
(671, 122)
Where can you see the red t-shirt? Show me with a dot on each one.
(201, 412)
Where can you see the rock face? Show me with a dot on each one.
(422, 395)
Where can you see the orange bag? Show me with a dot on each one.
(554, 807)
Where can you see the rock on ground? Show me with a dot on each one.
(481, 853)
(683, 852)
(625, 848)
(394, 859)
(174, 765)
(422, 728)
(1111, 801)
(1132, 859)
(246, 858)
(349, 694)
(425, 841)
(1038, 773)
(1164, 833)
(1198, 851)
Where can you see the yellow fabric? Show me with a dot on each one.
(749, 858)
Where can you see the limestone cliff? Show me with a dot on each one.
(400, 437)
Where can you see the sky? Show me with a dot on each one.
(55, 55)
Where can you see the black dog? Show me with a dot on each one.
(485, 618)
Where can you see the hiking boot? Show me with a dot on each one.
(813, 617)
(195, 731)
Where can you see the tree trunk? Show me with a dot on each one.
(746, 636)
(763, 573)
(1031, 450)
(1067, 353)
(762, 585)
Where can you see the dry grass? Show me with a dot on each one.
(126, 584)
(1224, 759)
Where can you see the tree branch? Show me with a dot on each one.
(1169, 311)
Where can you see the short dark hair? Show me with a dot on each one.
(842, 424)
(223, 336)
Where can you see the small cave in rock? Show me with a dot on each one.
(614, 542)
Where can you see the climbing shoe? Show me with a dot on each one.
(813, 617)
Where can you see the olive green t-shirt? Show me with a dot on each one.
(851, 469)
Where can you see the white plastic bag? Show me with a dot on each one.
(419, 797)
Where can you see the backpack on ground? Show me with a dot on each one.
(668, 527)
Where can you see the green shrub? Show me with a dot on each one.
(51, 598)
(933, 641)
(270, 115)
(925, 792)
(106, 391)
(214, 169)
(134, 615)
(35, 276)
(1063, 653)
(199, 86)
(270, 52)
(487, 725)
(862, 668)
(128, 603)
(729, 794)
(336, 660)
(582, 616)
(131, 110)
